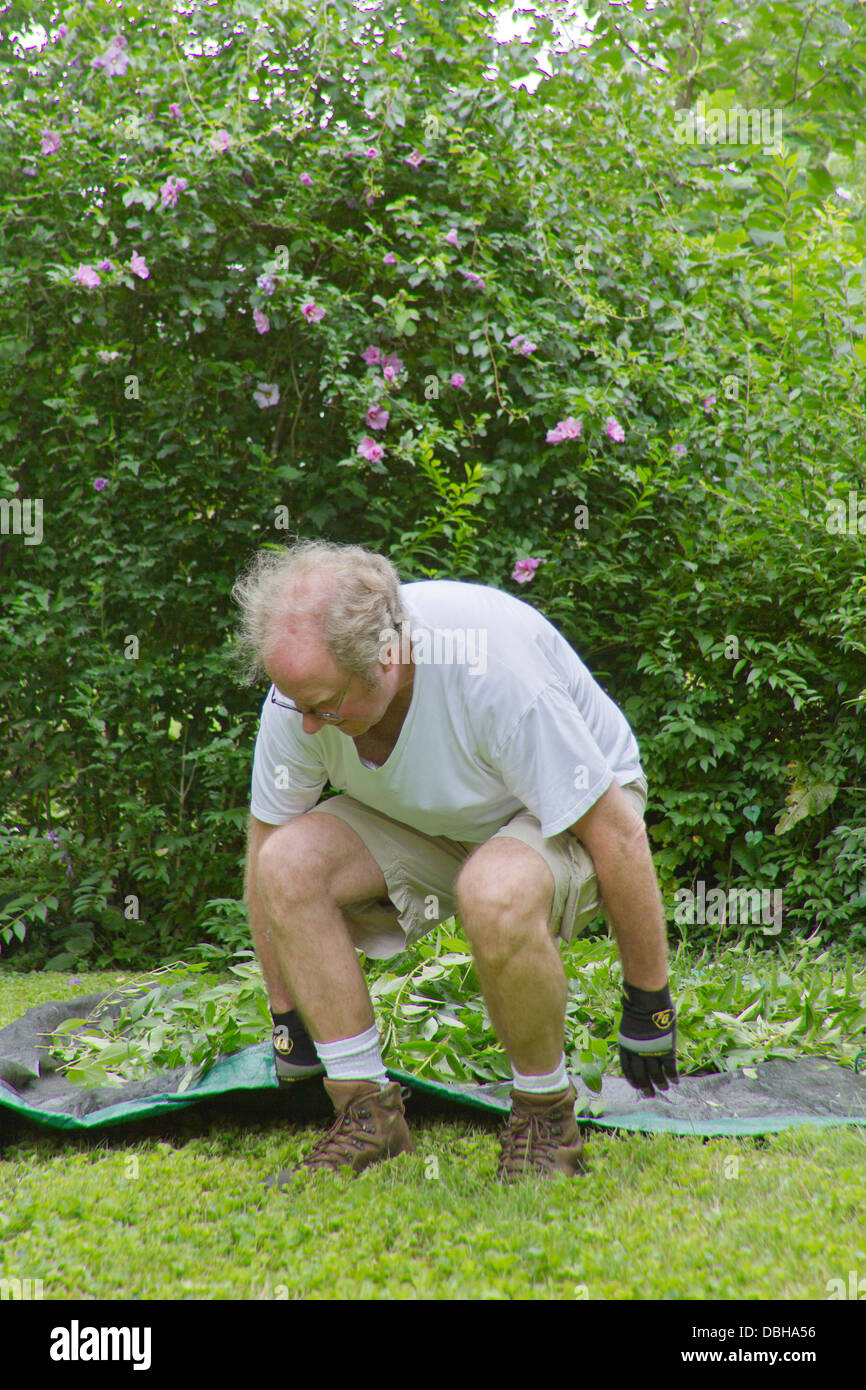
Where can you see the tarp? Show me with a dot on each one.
(772, 1095)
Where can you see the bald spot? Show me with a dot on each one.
(295, 652)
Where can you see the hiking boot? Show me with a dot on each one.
(370, 1125)
(295, 1054)
(541, 1137)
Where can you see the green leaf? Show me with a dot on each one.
(592, 1076)
(806, 801)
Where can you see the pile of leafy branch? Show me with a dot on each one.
(176, 1022)
(734, 1009)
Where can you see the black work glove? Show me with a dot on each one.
(648, 1038)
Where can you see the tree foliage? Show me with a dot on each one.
(373, 274)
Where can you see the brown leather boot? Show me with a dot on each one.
(370, 1125)
(541, 1137)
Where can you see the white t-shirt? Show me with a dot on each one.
(504, 717)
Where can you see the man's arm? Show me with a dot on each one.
(614, 835)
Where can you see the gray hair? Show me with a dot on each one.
(362, 605)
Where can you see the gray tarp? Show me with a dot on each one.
(780, 1094)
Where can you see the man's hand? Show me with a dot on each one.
(648, 1038)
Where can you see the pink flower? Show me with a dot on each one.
(522, 345)
(415, 158)
(267, 284)
(50, 142)
(100, 484)
(312, 312)
(372, 153)
(372, 355)
(170, 189)
(391, 368)
(306, 178)
(614, 431)
(267, 394)
(106, 266)
(113, 61)
(174, 110)
(458, 379)
(679, 450)
(220, 140)
(87, 276)
(370, 449)
(708, 402)
(473, 279)
(452, 236)
(377, 418)
(524, 570)
(138, 266)
(261, 321)
(389, 258)
(566, 429)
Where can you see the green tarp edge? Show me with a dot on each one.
(253, 1070)
(654, 1124)
(249, 1070)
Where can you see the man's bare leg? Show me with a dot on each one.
(305, 872)
(504, 893)
(278, 995)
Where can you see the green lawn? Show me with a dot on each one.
(182, 1212)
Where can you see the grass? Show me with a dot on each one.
(180, 1212)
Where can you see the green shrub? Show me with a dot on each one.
(696, 308)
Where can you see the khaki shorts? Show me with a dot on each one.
(420, 872)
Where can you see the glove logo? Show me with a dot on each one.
(664, 1019)
(283, 1044)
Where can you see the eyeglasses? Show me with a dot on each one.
(328, 718)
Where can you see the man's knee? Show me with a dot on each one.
(317, 857)
(504, 897)
(296, 860)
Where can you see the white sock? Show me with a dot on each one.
(551, 1082)
(354, 1059)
